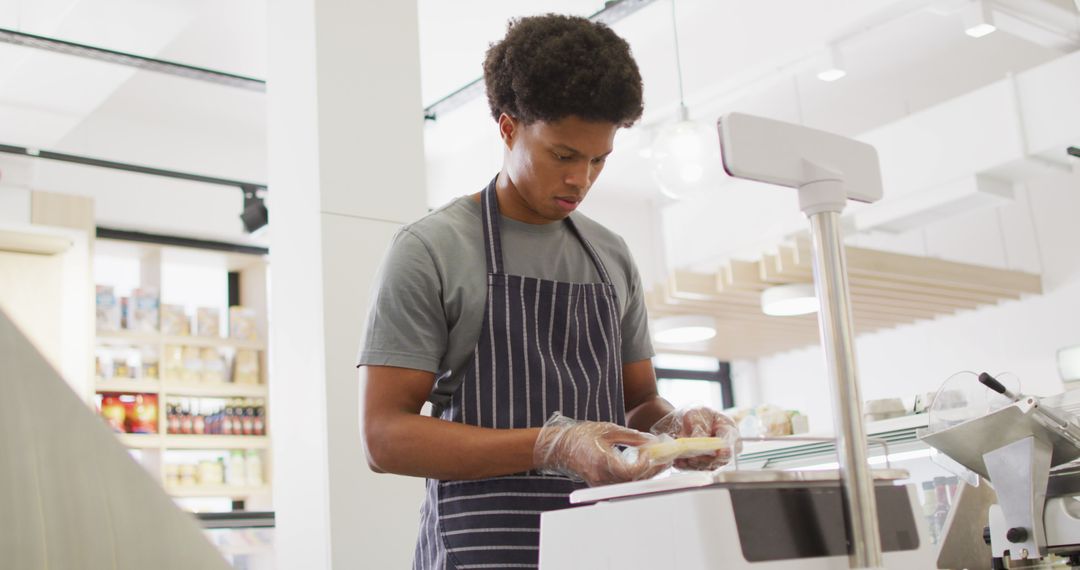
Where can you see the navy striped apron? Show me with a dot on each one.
(545, 347)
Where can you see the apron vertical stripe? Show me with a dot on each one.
(542, 358)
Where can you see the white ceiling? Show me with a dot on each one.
(759, 56)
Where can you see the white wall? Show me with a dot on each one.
(1037, 231)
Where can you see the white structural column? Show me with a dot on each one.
(346, 170)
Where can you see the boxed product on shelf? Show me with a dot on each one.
(207, 322)
(174, 321)
(108, 309)
(242, 323)
(122, 370)
(191, 370)
(150, 364)
(172, 361)
(213, 366)
(130, 413)
(113, 412)
(143, 416)
(246, 366)
(253, 468)
(142, 313)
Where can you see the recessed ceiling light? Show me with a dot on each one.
(683, 329)
(832, 67)
(831, 74)
(979, 19)
(789, 300)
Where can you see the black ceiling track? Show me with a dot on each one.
(178, 241)
(131, 60)
(127, 167)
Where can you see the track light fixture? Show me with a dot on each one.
(255, 214)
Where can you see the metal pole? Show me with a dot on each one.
(835, 324)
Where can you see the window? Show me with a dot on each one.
(687, 380)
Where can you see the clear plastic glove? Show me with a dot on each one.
(700, 422)
(585, 451)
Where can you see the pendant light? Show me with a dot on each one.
(686, 154)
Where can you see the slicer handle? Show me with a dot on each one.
(992, 383)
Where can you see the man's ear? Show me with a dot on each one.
(508, 129)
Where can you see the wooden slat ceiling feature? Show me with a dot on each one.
(887, 290)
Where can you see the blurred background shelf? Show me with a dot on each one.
(222, 390)
(140, 440)
(233, 492)
(173, 441)
(128, 386)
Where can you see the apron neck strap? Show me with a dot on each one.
(489, 203)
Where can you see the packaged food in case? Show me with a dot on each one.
(242, 323)
(174, 321)
(207, 322)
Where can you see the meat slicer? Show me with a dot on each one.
(1024, 447)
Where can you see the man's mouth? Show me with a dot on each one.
(568, 203)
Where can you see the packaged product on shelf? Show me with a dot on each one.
(185, 417)
(144, 414)
(108, 309)
(143, 310)
(174, 321)
(213, 366)
(187, 475)
(99, 369)
(113, 411)
(246, 366)
(247, 418)
(210, 473)
(253, 468)
(173, 418)
(235, 473)
(125, 315)
(207, 322)
(121, 369)
(173, 362)
(225, 428)
(198, 420)
(172, 475)
(259, 427)
(237, 416)
(150, 366)
(192, 366)
(242, 323)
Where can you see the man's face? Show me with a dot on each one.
(551, 166)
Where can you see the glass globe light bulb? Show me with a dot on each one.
(686, 159)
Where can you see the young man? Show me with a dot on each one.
(521, 321)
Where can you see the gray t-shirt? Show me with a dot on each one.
(428, 306)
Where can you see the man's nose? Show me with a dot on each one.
(580, 175)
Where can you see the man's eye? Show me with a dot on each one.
(599, 160)
(563, 157)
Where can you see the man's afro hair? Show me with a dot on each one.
(551, 67)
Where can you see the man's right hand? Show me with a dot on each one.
(585, 451)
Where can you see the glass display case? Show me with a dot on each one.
(245, 539)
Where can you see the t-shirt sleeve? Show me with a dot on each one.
(406, 324)
(636, 344)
